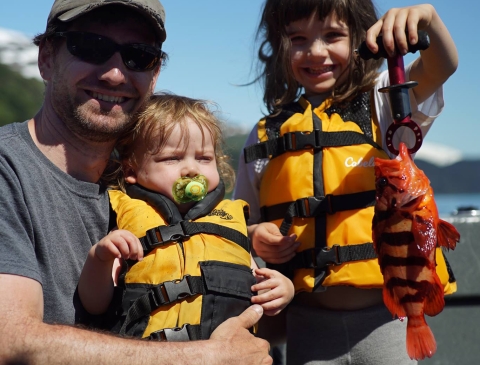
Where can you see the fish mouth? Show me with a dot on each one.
(412, 203)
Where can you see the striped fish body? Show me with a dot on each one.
(406, 230)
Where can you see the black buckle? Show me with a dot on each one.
(151, 239)
(175, 334)
(162, 235)
(312, 206)
(296, 141)
(177, 289)
(174, 232)
(169, 292)
(327, 256)
(304, 140)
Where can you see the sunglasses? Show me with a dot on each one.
(97, 49)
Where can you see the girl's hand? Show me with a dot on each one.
(396, 23)
(275, 289)
(435, 64)
(270, 245)
(118, 244)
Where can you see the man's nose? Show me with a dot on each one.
(114, 70)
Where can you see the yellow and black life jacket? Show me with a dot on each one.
(320, 184)
(196, 272)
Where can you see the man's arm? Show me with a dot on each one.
(25, 339)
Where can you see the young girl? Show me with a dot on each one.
(196, 271)
(309, 166)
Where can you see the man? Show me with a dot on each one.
(100, 60)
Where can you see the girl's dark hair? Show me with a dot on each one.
(280, 86)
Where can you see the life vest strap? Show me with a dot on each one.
(162, 294)
(296, 141)
(336, 255)
(162, 235)
(321, 258)
(315, 206)
(187, 332)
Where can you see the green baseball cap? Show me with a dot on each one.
(68, 10)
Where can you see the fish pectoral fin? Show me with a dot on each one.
(434, 299)
(448, 235)
(392, 303)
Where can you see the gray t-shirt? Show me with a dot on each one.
(48, 221)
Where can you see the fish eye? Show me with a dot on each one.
(382, 181)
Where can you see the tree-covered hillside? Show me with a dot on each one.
(20, 98)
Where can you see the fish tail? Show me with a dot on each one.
(420, 340)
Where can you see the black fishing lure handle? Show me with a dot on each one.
(422, 44)
(398, 89)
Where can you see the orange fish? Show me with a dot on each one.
(406, 231)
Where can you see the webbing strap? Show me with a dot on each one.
(162, 294)
(316, 258)
(162, 235)
(315, 206)
(187, 332)
(295, 141)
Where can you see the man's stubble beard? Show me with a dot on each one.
(94, 125)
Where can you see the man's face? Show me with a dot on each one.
(96, 102)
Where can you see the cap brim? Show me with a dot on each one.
(81, 10)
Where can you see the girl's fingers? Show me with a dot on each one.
(412, 28)
(372, 34)
(276, 254)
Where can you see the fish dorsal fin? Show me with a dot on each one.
(448, 235)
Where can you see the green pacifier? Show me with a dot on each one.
(186, 189)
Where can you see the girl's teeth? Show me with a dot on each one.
(320, 70)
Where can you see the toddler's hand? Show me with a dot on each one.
(118, 244)
(275, 291)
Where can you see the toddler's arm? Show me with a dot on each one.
(95, 287)
(437, 63)
(275, 291)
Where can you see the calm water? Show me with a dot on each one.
(447, 203)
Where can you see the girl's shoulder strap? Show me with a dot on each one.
(274, 121)
(357, 110)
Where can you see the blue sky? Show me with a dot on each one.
(211, 49)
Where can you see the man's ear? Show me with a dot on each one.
(130, 174)
(46, 59)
